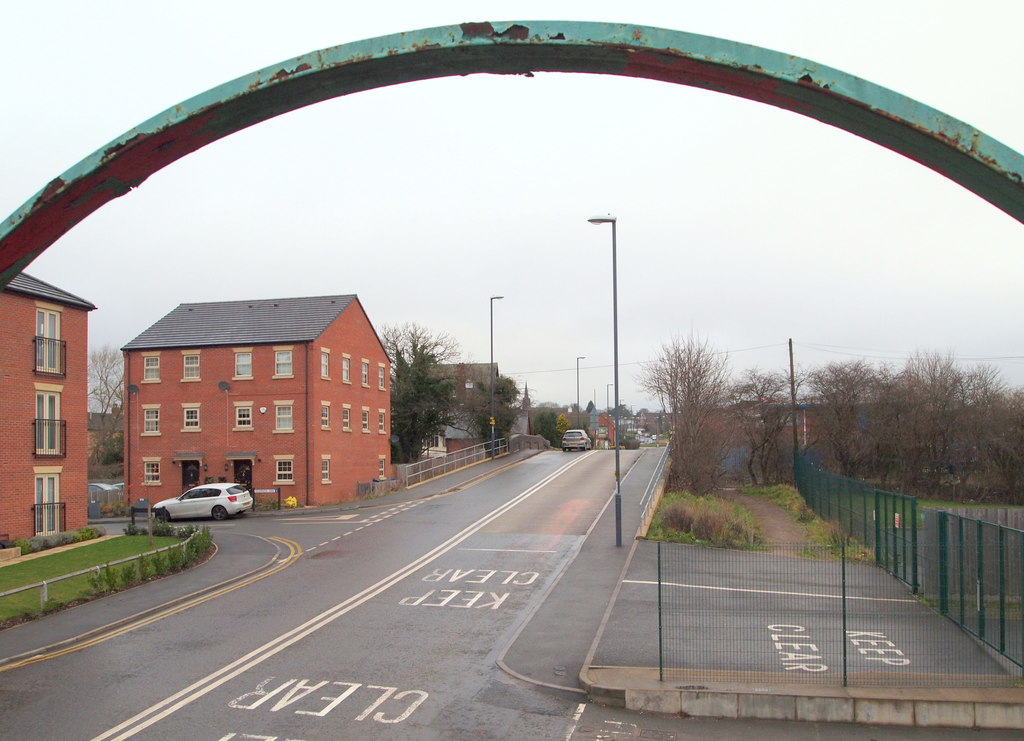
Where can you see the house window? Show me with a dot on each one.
(283, 364)
(366, 419)
(346, 369)
(380, 377)
(49, 348)
(366, 373)
(243, 365)
(243, 417)
(190, 367)
(151, 368)
(325, 470)
(49, 426)
(190, 415)
(151, 420)
(381, 466)
(325, 416)
(285, 471)
(346, 418)
(151, 473)
(282, 417)
(325, 365)
(48, 505)
(380, 421)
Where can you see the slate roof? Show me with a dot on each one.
(26, 284)
(261, 321)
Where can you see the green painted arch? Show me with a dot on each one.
(958, 151)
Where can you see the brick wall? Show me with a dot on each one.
(217, 444)
(18, 384)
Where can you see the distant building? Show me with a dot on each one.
(44, 387)
(290, 394)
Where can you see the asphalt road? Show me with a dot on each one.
(387, 622)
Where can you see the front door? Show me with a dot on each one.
(189, 474)
(243, 474)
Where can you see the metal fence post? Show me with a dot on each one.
(1002, 590)
(916, 584)
(942, 524)
(842, 553)
(661, 654)
(980, 549)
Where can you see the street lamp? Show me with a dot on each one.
(578, 359)
(615, 345)
(491, 381)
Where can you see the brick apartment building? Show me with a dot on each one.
(44, 387)
(290, 394)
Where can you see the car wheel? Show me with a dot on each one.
(163, 515)
(219, 513)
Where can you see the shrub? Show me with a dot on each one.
(146, 567)
(163, 529)
(128, 574)
(684, 517)
(109, 578)
(86, 533)
(174, 559)
(24, 545)
(132, 529)
(160, 563)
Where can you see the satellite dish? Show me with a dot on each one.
(132, 388)
(394, 439)
(224, 385)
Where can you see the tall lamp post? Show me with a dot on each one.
(609, 219)
(578, 359)
(607, 407)
(490, 383)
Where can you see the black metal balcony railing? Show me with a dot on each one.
(49, 517)
(51, 357)
(51, 438)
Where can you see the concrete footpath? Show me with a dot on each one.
(580, 618)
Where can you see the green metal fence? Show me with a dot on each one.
(969, 570)
(805, 614)
(883, 521)
(972, 573)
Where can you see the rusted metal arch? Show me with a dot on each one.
(951, 147)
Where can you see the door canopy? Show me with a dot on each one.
(951, 147)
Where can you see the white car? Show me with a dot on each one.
(576, 440)
(208, 500)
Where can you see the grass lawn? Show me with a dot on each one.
(66, 562)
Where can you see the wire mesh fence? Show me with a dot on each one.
(970, 571)
(805, 614)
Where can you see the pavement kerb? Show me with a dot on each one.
(385, 500)
(640, 689)
(141, 614)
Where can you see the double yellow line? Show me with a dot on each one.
(148, 617)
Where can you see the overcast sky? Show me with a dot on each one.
(738, 222)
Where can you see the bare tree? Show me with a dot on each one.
(106, 389)
(691, 379)
(760, 407)
(841, 394)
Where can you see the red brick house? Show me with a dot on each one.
(290, 394)
(44, 387)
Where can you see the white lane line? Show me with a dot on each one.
(157, 712)
(764, 591)
(505, 550)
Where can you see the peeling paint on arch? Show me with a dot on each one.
(955, 149)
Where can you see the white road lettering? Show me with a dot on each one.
(389, 706)
(793, 659)
(482, 576)
(875, 646)
(446, 598)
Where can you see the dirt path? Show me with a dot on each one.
(779, 528)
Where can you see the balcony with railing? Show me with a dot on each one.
(50, 438)
(49, 517)
(51, 357)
